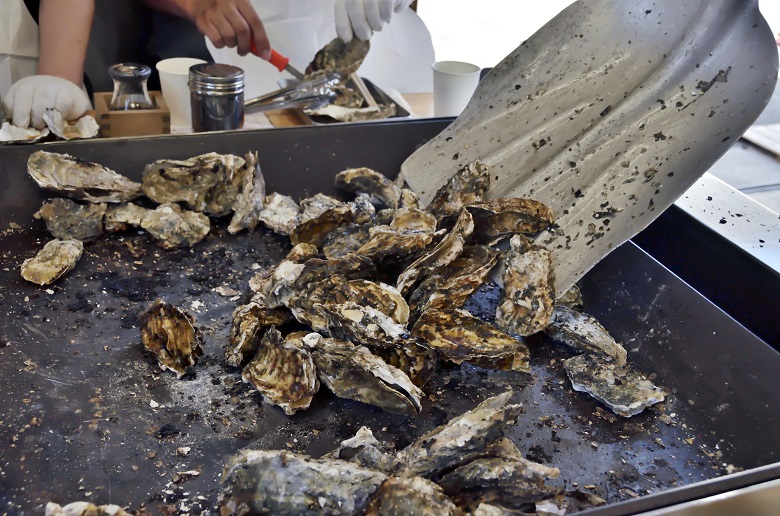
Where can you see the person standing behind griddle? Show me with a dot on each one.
(65, 33)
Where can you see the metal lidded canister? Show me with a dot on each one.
(216, 97)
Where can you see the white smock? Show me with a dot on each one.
(400, 58)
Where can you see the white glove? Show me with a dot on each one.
(29, 98)
(362, 17)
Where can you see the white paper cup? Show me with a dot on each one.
(174, 74)
(454, 83)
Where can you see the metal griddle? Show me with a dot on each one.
(77, 390)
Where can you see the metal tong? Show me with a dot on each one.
(311, 93)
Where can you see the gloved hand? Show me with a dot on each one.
(29, 98)
(362, 17)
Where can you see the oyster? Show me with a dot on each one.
(248, 202)
(351, 266)
(283, 371)
(281, 482)
(445, 447)
(275, 284)
(467, 186)
(500, 218)
(84, 127)
(387, 243)
(364, 450)
(79, 179)
(174, 227)
(352, 114)
(381, 296)
(314, 206)
(626, 392)
(10, 133)
(341, 57)
(352, 372)
(121, 216)
(413, 219)
(526, 304)
(461, 337)
(67, 219)
(171, 334)
(280, 213)
(409, 199)
(453, 284)
(572, 298)
(315, 230)
(84, 509)
(507, 482)
(250, 323)
(345, 240)
(414, 495)
(52, 262)
(442, 254)
(584, 334)
(206, 182)
(381, 191)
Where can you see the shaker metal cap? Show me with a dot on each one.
(216, 79)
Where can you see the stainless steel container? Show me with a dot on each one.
(216, 97)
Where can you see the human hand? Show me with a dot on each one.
(362, 17)
(29, 98)
(232, 23)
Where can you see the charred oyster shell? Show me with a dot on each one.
(572, 298)
(626, 392)
(121, 216)
(413, 219)
(84, 509)
(527, 299)
(80, 179)
(500, 218)
(280, 213)
(385, 243)
(345, 240)
(248, 202)
(265, 282)
(69, 220)
(444, 447)
(250, 323)
(337, 56)
(259, 482)
(283, 371)
(467, 186)
(52, 262)
(171, 334)
(354, 373)
(584, 334)
(414, 495)
(442, 254)
(314, 231)
(314, 206)
(364, 450)
(175, 227)
(381, 191)
(461, 337)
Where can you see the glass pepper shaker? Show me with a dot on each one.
(130, 87)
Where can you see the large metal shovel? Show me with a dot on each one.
(608, 114)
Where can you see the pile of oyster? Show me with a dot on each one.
(464, 466)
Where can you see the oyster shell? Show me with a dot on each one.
(387, 243)
(283, 371)
(527, 299)
(626, 392)
(442, 254)
(445, 446)
(381, 191)
(414, 495)
(354, 114)
(381, 296)
(413, 219)
(174, 227)
(461, 337)
(584, 334)
(248, 202)
(259, 482)
(121, 216)
(250, 323)
(453, 284)
(409, 199)
(345, 240)
(52, 262)
(507, 482)
(341, 57)
(10, 133)
(467, 186)
(354, 373)
(207, 182)
(84, 509)
(80, 179)
(364, 450)
(496, 219)
(314, 206)
(67, 219)
(275, 284)
(84, 127)
(280, 213)
(572, 298)
(171, 334)
(314, 231)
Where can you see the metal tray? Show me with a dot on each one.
(79, 420)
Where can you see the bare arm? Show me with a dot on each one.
(64, 34)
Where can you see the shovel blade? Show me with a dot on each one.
(608, 114)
